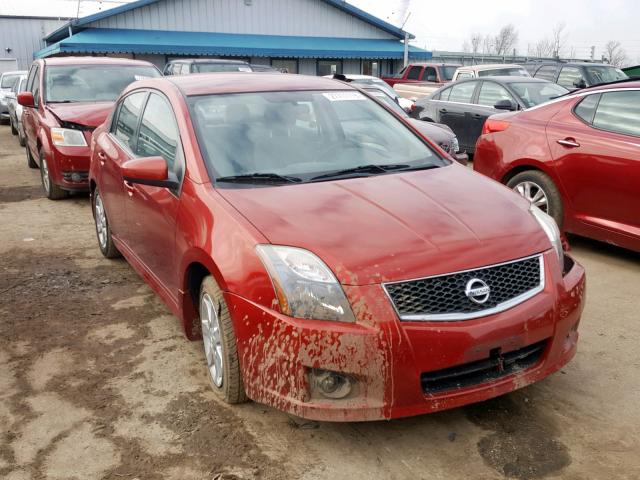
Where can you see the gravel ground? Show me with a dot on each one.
(97, 380)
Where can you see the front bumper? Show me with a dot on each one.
(387, 357)
(69, 167)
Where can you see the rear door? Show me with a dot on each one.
(454, 112)
(152, 211)
(596, 149)
(112, 149)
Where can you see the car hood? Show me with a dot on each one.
(87, 114)
(396, 226)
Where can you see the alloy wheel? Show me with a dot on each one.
(212, 338)
(534, 193)
(46, 181)
(101, 222)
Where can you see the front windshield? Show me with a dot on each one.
(601, 74)
(303, 134)
(447, 73)
(8, 81)
(220, 67)
(534, 93)
(504, 72)
(91, 83)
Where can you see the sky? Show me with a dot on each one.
(445, 25)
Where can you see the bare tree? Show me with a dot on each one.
(559, 39)
(505, 40)
(615, 53)
(476, 41)
(543, 48)
(488, 45)
(466, 48)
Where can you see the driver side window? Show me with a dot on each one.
(491, 93)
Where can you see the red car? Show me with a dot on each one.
(66, 99)
(576, 157)
(337, 265)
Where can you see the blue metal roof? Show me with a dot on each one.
(62, 32)
(107, 40)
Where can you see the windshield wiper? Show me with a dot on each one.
(372, 169)
(364, 169)
(259, 178)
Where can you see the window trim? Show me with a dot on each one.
(114, 120)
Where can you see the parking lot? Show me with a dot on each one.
(98, 381)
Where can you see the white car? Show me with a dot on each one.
(7, 80)
(405, 104)
(15, 109)
(490, 70)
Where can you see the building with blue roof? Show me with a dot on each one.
(313, 37)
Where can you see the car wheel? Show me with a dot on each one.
(14, 131)
(30, 161)
(220, 348)
(540, 190)
(22, 142)
(53, 191)
(103, 231)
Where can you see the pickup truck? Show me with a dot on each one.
(423, 72)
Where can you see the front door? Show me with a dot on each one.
(596, 151)
(30, 113)
(453, 112)
(152, 211)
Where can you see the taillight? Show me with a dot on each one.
(492, 126)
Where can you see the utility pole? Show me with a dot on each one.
(406, 41)
(593, 52)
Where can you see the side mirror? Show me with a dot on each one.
(148, 171)
(505, 105)
(26, 99)
(580, 83)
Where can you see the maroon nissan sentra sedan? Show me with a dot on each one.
(66, 99)
(337, 264)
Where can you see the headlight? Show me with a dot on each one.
(550, 227)
(304, 285)
(455, 146)
(66, 137)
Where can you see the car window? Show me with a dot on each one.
(587, 107)
(463, 75)
(414, 73)
(444, 95)
(430, 74)
(504, 72)
(569, 77)
(35, 87)
(604, 74)
(185, 69)
(9, 80)
(491, 93)
(547, 72)
(125, 126)
(159, 135)
(447, 73)
(462, 92)
(535, 93)
(31, 77)
(618, 112)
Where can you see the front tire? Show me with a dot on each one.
(30, 161)
(220, 345)
(14, 130)
(103, 230)
(22, 141)
(539, 189)
(53, 191)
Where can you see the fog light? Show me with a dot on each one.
(331, 384)
(75, 177)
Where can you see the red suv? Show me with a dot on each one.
(66, 98)
(576, 157)
(337, 265)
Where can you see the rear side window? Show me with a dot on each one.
(587, 108)
(414, 73)
(185, 69)
(547, 72)
(126, 123)
(619, 112)
(463, 75)
(491, 93)
(159, 134)
(462, 92)
(570, 77)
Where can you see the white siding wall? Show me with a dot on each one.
(24, 37)
(307, 66)
(351, 66)
(265, 17)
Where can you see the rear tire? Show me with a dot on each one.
(539, 189)
(14, 130)
(21, 139)
(103, 230)
(53, 191)
(30, 161)
(220, 344)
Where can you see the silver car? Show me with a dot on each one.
(15, 109)
(7, 81)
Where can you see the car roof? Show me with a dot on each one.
(209, 60)
(626, 83)
(51, 61)
(15, 72)
(435, 64)
(242, 82)
(570, 64)
(353, 76)
(490, 66)
(512, 79)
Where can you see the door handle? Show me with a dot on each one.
(443, 110)
(102, 157)
(569, 142)
(477, 115)
(129, 187)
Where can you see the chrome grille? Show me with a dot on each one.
(444, 297)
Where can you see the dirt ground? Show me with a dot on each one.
(97, 380)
